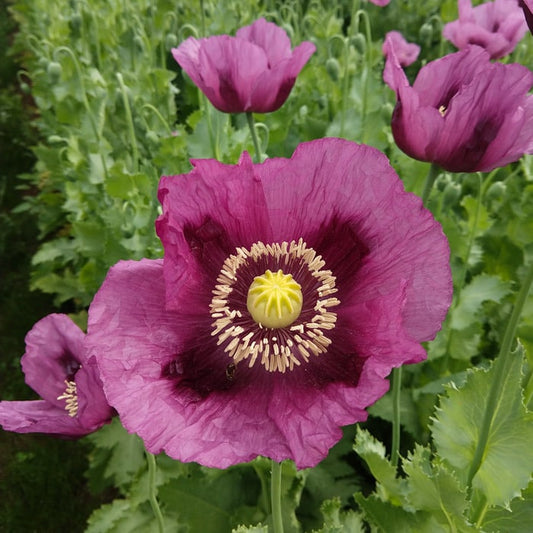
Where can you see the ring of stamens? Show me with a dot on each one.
(71, 397)
(281, 348)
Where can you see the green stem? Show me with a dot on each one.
(150, 458)
(500, 372)
(434, 171)
(275, 495)
(396, 390)
(129, 119)
(251, 125)
(86, 104)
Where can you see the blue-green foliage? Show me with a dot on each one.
(114, 112)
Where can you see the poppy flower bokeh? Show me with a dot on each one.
(57, 367)
(252, 72)
(407, 53)
(288, 292)
(462, 112)
(495, 26)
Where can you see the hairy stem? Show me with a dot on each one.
(150, 458)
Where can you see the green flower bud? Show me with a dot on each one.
(496, 192)
(54, 71)
(171, 41)
(451, 194)
(359, 43)
(333, 68)
(386, 111)
(426, 33)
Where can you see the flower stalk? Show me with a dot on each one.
(152, 488)
(396, 422)
(253, 132)
(275, 494)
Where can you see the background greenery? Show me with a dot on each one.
(93, 111)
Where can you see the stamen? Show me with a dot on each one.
(71, 397)
(275, 303)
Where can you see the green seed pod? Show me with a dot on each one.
(55, 139)
(54, 71)
(359, 43)
(333, 68)
(75, 24)
(138, 43)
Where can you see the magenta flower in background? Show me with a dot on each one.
(463, 112)
(251, 72)
(288, 292)
(57, 367)
(380, 3)
(495, 26)
(527, 7)
(407, 53)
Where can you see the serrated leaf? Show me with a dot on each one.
(337, 521)
(250, 529)
(434, 489)
(517, 519)
(388, 518)
(118, 454)
(373, 452)
(209, 500)
(506, 465)
(481, 289)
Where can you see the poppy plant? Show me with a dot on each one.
(57, 367)
(495, 26)
(463, 112)
(252, 72)
(288, 292)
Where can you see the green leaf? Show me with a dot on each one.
(372, 452)
(212, 501)
(388, 518)
(118, 455)
(250, 529)
(517, 519)
(337, 521)
(481, 289)
(506, 466)
(435, 489)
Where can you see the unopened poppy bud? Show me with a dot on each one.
(75, 23)
(386, 111)
(426, 33)
(496, 192)
(333, 68)
(138, 42)
(451, 194)
(25, 88)
(54, 71)
(359, 43)
(54, 139)
(171, 40)
(152, 137)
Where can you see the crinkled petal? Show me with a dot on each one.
(54, 352)
(207, 214)
(407, 53)
(39, 416)
(337, 179)
(272, 87)
(270, 37)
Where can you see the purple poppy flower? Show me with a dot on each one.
(495, 26)
(463, 112)
(527, 7)
(380, 3)
(407, 53)
(288, 292)
(57, 367)
(251, 72)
